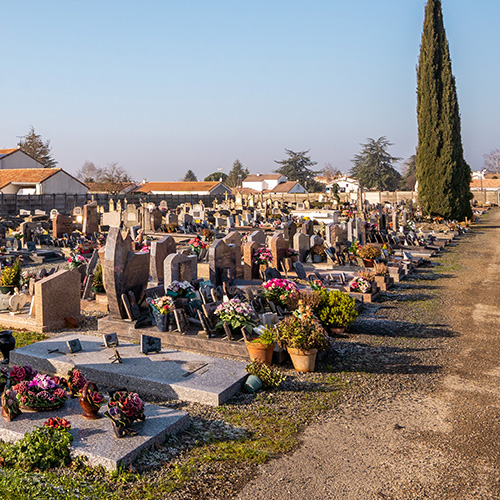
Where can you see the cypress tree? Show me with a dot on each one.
(442, 172)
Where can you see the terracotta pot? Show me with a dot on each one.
(369, 262)
(303, 361)
(9, 416)
(260, 352)
(90, 411)
(336, 331)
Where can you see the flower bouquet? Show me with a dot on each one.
(263, 256)
(58, 423)
(360, 285)
(124, 408)
(181, 289)
(17, 235)
(77, 261)
(279, 291)
(36, 391)
(196, 245)
(234, 312)
(76, 382)
(161, 309)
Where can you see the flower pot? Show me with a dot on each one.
(7, 289)
(303, 361)
(369, 262)
(9, 416)
(253, 384)
(336, 331)
(260, 352)
(90, 410)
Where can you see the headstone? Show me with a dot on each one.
(234, 238)
(230, 222)
(278, 246)
(178, 267)
(57, 298)
(123, 270)
(31, 246)
(181, 320)
(258, 237)
(53, 213)
(330, 234)
(171, 218)
(23, 212)
(300, 206)
(350, 230)
(111, 219)
(250, 269)
(221, 261)
(90, 223)
(289, 230)
(185, 219)
(308, 227)
(61, 224)
(131, 216)
(150, 344)
(301, 243)
(158, 252)
(395, 220)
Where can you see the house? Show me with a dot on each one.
(183, 188)
(485, 185)
(39, 181)
(15, 158)
(263, 182)
(346, 184)
(288, 187)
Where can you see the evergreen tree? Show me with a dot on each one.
(442, 172)
(372, 167)
(190, 176)
(216, 177)
(297, 167)
(33, 145)
(237, 175)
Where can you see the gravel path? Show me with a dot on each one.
(427, 423)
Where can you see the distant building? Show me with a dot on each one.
(263, 182)
(179, 188)
(121, 187)
(39, 181)
(15, 158)
(288, 187)
(346, 184)
(485, 185)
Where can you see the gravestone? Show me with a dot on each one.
(178, 267)
(110, 339)
(150, 344)
(57, 297)
(61, 224)
(171, 218)
(258, 237)
(308, 227)
(123, 270)
(221, 262)
(300, 206)
(230, 222)
(289, 230)
(336, 215)
(301, 243)
(90, 223)
(299, 269)
(395, 220)
(278, 246)
(250, 269)
(361, 231)
(158, 252)
(111, 219)
(131, 216)
(185, 219)
(234, 238)
(53, 213)
(350, 230)
(330, 234)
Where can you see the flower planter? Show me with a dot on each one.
(332, 331)
(7, 344)
(7, 289)
(303, 361)
(162, 321)
(369, 262)
(36, 409)
(260, 352)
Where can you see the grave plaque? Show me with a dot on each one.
(150, 344)
(110, 339)
(74, 345)
(181, 320)
(90, 223)
(61, 225)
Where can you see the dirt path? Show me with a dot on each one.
(414, 443)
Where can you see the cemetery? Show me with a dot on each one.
(185, 299)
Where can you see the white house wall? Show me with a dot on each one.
(19, 160)
(62, 183)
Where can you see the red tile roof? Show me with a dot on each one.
(173, 187)
(486, 184)
(244, 191)
(284, 187)
(26, 175)
(261, 177)
(4, 152)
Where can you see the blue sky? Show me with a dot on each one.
(164, 86)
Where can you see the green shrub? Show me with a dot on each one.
(302, 333)
(336, 309)
(43, 448)
(11, 276)
(267, 337)
(269, 376)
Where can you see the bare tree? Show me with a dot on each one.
(114, 177)
(89, 172)
(492, 161)
(330, 172)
